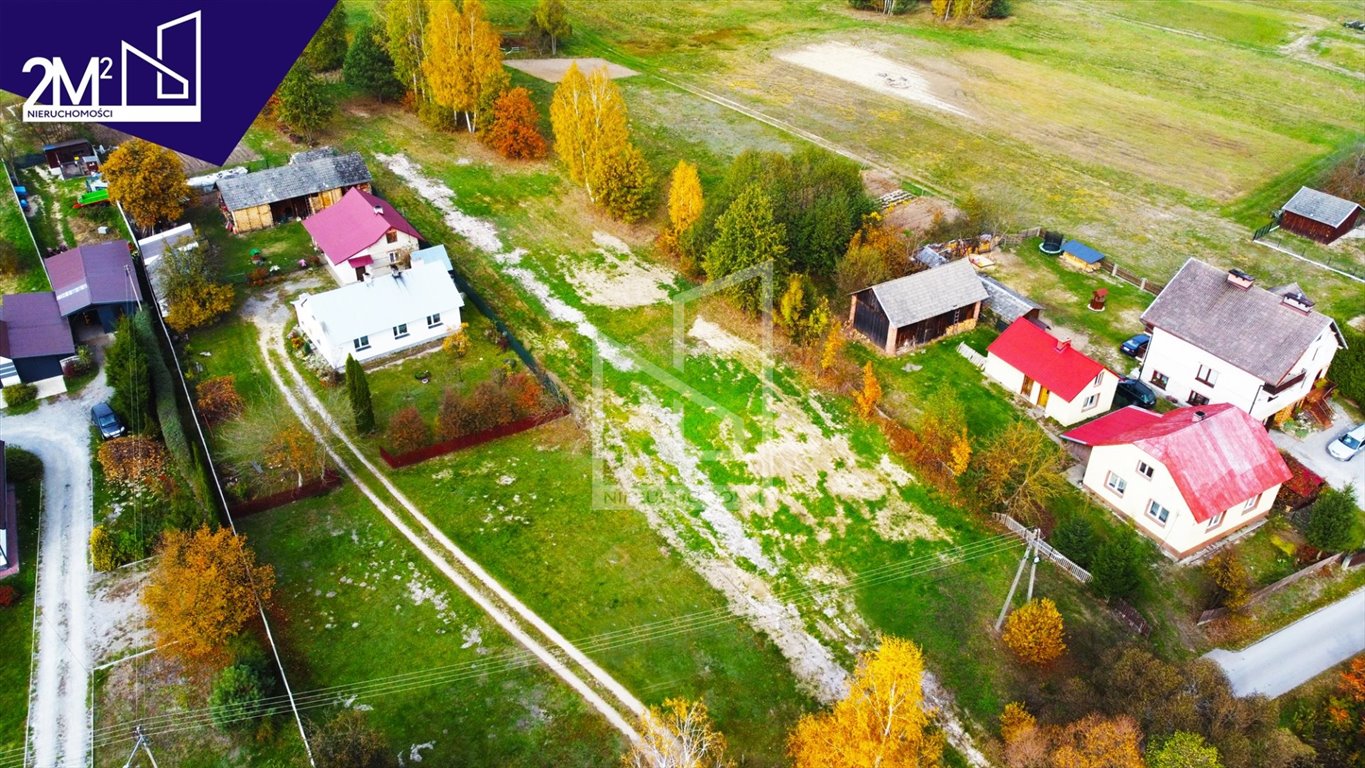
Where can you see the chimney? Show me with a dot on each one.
(1063, 345)
(1240, 279)
(379, 210)
(1198, 416)
(1297, 302)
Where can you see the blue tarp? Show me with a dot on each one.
(1082, 251)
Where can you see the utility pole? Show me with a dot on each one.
(140, 744)
(1004, 609)
(1033, 571)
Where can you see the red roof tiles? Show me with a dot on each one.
(1045, 359)
(1218, 455)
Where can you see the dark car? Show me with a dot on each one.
(1137, 392)
(1136, 346)
(107, 421)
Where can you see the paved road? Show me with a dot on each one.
(58, 433)
(1294, 655)
(1312, 451)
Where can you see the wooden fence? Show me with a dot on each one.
(1045, 549)
(469, 441)
(1132, 278)
(1302, 573)
(1015, 238)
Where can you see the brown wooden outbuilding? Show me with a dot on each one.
(1318, 216)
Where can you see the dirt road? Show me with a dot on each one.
(58, 433)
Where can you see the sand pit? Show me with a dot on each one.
(552, 70)
(873, 72)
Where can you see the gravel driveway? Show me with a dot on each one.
(59, 433)
(1312, 451)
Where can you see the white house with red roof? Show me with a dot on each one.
(1050, 373)
(1186, 478)
(361, 236)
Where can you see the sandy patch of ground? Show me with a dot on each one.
(921, 214)
(623, 280)
(873, 72)
(553, 70)
(118, 620)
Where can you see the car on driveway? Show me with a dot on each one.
(1348, 444)
(107, 421)
(1136, 346)
(1137, 392)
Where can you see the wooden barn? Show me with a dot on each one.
(905, 313)
(75, 157)
(1318, 215)
(312, 181)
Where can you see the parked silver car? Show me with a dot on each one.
(1348, 444)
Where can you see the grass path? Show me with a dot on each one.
(462, 570)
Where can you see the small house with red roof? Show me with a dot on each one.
(1049, 373)
(1186, 478)
(362, 236)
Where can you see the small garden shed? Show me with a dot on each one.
(1318, 215)
(910, 311)
(1081, 256)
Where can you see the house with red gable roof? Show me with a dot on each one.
(362, 236)
(1049, 373)
(1186, 478)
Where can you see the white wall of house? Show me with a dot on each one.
(378, 342)
(1181, 363)
(1180, 534)
(384, 253)
(1095, 399)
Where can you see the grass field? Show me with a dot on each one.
(1155, 130)
(16, 625)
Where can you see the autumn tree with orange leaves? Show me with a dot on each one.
(880, 723)
(1094, 741)
(217, 399)
(1034, 633)
(871, 393)
(202, 592)
(135, 460)
(148, 180)
(678, 735)
(293, 449)
(515, 131)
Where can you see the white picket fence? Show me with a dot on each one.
(1045, 549)
(974, 357)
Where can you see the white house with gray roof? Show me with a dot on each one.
(901, 314)
(382, 315)
(1217, 337)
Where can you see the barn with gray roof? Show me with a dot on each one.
(905, 313)
(312, 181)
(1318, 216)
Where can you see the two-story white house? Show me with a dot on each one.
(362, 236)
(382, 315)
(1049, 373)
(1186, 478)
(1217, 337)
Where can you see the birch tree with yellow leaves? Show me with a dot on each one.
(589, 120)
(462, 60)
(880, 723)
(678, 735)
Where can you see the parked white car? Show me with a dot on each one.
(1348, 444)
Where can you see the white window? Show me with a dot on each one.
(1215, 521)
(1158, 512)
(393, 256)
(1252, 502)
(1115, 483)
(1090, 402)
(1207, 375)
(362, 343)
(433, 320)
(1098, 379)
(399, 331)
(1145, 469)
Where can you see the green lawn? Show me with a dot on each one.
(282, 245)
(355, 604)
(14, 230)
(16, 623)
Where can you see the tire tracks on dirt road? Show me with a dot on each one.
(601, 691)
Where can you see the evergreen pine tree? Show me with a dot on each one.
(368, 67)
(358, 388)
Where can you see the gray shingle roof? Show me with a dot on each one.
(1249, 328)
(1320, 206)
(910, 299)
(307, 176)
(1005, 302)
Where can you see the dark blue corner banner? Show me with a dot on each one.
(187, 74)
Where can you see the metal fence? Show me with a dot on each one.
(1045, 549)
(513, 342)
